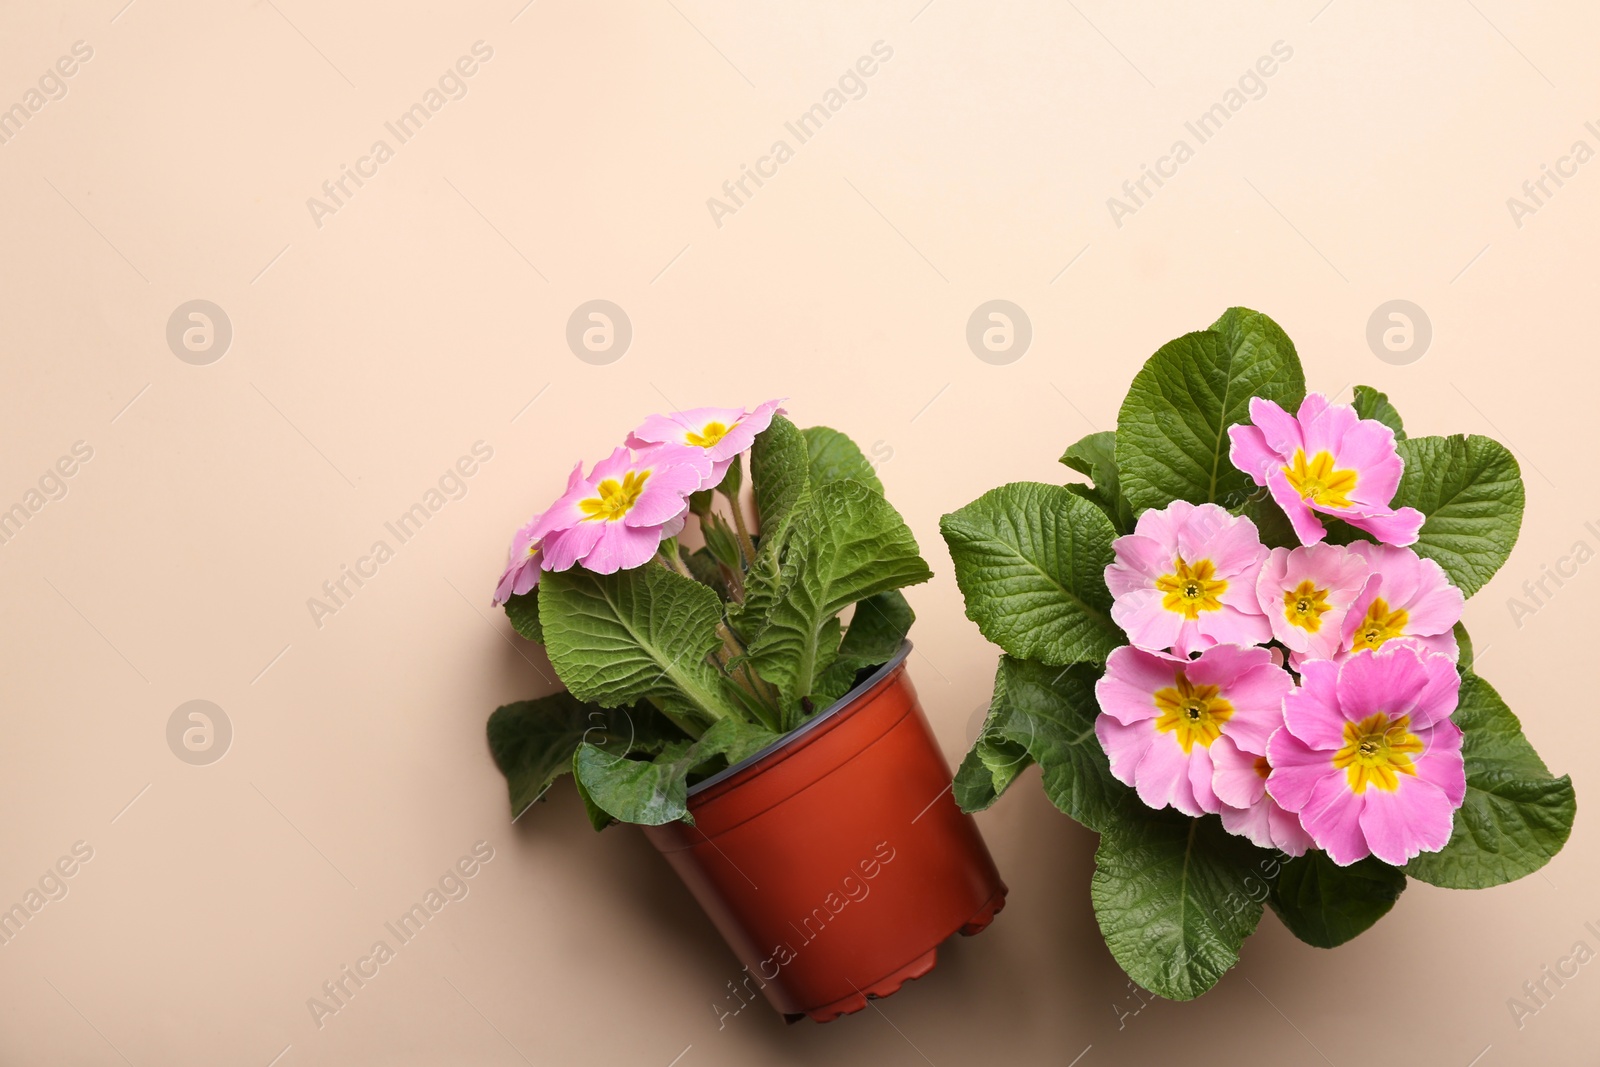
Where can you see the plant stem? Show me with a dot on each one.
(745, 541)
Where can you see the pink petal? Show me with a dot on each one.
(1367, 446)
(1332, 816)
(1125, 745)
(1442, 764)
(1127, 690)
(1139, 561)
(1313, 405)
(1234, 778)
(1392, 527)
(1288, 835)
(1307, 527)
(621, 547)
(1249, 452)
(1147, 624)
(1162, 777)
(1387, 680)
(1279, 429)
(1414, 818)
(1312, 712)
(1296, 769)
(563, 548)
(1252, 822)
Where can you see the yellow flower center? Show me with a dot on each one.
(1304, 605)
(1191, 590)
(533, 549)
(1194, 712)
(1318, 481)
(1377, 750)
(1262, 767)
(615, 499)
(709, 435)
(1379, 625)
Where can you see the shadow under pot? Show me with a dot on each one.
(835, 861)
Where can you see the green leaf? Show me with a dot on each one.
(599, 818)
(834, 457)
(1470, 489)
(1173, 899)
(988, 770)
(1271, 523)
(722, 542)
(532, 741)
(732, 479)
(707, 570)
(523, 611)
(1172, 431)
(1325, 905)
(641, 634)
(780, 462)
(846, 543)
(1371, 404)
(656, 792)
(1516, 815)
(780, 475)
(1464, 643)
(877, 629)
(1030, 560)
(1050, 712)
(1095, 455)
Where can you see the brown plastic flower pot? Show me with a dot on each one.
(835, 861)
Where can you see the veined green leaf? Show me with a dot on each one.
(1172, 431)
(523, 611)
(834, 457)
(1173, 899)
(1095, 455)
(1326, 905)
(532, 741)
(654, 792)
(846, 543)
(1030, 560)
(1470, 489)
(1516, 815)
(641, 634)
(1371, 404)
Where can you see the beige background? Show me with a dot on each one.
(430, 310)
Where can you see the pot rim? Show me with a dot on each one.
(889, 666)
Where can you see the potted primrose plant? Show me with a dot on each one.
(1236, 654)
(747, 702)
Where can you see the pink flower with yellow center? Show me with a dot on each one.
(1162, 718)
(617, 517)
(722, 432)
(1409, 597)
(1185, 580)
(1368, 757)
(525, 559)
(1239, 778)
(1308, 592)
(1325, 459)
